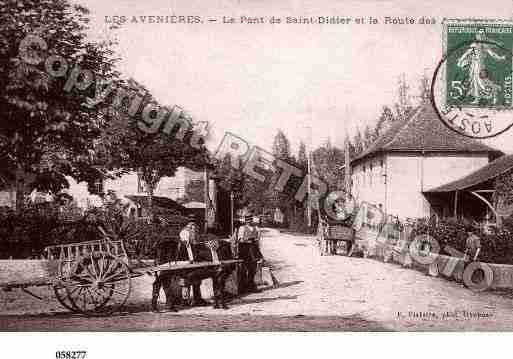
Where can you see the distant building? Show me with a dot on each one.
(127, 185)
(169, 187)
(412, 157)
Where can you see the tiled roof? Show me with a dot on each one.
(488, 172)
(424, 131)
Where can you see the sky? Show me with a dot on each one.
(313, 81)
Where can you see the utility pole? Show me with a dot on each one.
(308, 204)
(347, 165)
(231, 212)
(308, 175)
(206, 197)
(347, 169)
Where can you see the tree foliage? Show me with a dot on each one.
(385, 119)
(358, 142)
(327, 163)
(302, 160)
(504, 188)
(281, 146)
(47, 133)
(151, 155)
(247, 191)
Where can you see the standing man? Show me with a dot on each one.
(472, 245)
(254, 236)
(189, 237)
(247, 237)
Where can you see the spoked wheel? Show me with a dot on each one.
(60, 289)
(98, 284)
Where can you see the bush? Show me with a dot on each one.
(495, 248)
(23, 235)
(26, 234)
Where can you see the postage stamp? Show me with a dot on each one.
(472, 85)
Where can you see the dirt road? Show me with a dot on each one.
(315, 293)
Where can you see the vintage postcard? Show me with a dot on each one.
(255, 166)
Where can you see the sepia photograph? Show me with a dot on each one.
(255, 166)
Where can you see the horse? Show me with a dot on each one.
(171, 250)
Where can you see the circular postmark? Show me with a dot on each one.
(471, 88)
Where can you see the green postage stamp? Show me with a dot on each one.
(472, 84)
(478, 63)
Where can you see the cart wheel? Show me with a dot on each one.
(60, 290)
(351, 251)
(320, 239)
(62, 297)
(99, 284)
(320, 242)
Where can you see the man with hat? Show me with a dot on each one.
(472, 244)
(189, 237)
(247, 238)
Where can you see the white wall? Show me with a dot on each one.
(404, 182)
(8, 198)
(369, 181)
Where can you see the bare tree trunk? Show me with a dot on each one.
(20, 189)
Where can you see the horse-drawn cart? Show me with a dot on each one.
(331, 236)
(94, 277)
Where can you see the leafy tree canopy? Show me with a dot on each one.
(47, 133)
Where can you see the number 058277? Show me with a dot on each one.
(70, 354)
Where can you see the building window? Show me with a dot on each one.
(96, 187)
(140, 184)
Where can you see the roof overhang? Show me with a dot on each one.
(489, 172)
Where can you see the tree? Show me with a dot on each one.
(281, 199)
(301, 156)
(46, 132)
(281, 146)
(151, 155)
(231, 179)
(368, 136)
(425, 89)
(385, 119)
(251, 197)
(503, 185)
(327, 162)
(403, 106)
(358, 142)
(247, 191)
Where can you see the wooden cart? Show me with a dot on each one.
(332, 236)
(94, 277)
